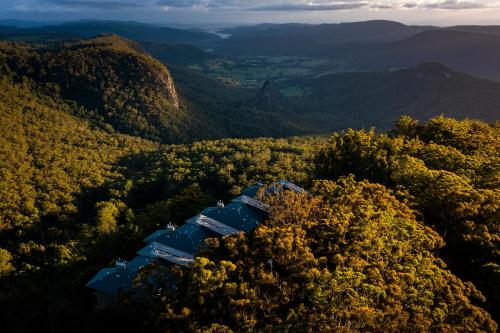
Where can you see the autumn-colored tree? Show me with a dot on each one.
(351, 258)
(448, 169)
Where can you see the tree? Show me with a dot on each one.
(6, 266)
(106, 216)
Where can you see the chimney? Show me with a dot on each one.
(170, 227)
(199, 220)
(121, 264)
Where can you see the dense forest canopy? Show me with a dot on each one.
(391, 251)
(187, 94)
(350, 258)
(101, 144)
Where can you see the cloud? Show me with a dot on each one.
(328, 5)
(259, 5)
(456, 4)
(107, 5)
(310, 7)
(435, 4)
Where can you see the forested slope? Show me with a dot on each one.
(74, 197)
(389, 252)
(118, 86)
(343, 100)
(111, 78)
(399, 231)
(351, 256)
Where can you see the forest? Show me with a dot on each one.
(399, 231)
(101, 144)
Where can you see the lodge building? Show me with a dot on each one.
(178, 246)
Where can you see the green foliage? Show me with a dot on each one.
(50, 157)
(107, 213)
(450, 170)
(6, 266)
(354, 256)
(353, 259)
(111, 78)
(53, 167)
(73, 197)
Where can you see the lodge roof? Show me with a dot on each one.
(178, 246)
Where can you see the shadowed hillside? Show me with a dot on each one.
(469, 52)
(131, 30)
(110, 77)
(379, 98)
(299, 39)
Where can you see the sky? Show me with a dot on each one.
(233, 12)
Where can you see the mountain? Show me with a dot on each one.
(468, 52)
(378, 98)
(375, 45)
(299, 39)
(27, 23)
(117, 85)
(113, 81)
(480, 29)
(131, 30)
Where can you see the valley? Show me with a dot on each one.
(114, 130)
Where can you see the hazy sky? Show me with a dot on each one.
(439, 12)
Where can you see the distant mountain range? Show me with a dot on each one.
(119, 86)
(378, 98)
(365, 46)
(310, 39)
(468, 52)
(131, 30)
(375, 45)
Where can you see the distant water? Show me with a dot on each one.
(220, 34)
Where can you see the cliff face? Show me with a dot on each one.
(268, 98)
(110, 77)
(171, 91)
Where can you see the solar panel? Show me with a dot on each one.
(157, 250)
(178, 246)
(291, 186)
(244, 199)
(214, 225)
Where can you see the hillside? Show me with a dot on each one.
(472, 53)
(131, 30)
(297, 39)
(117, 85)
(231, 111)
(379, 98)
(56, 174)
(111, 78)
(75, 197)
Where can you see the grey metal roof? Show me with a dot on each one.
(252, 202)
(161, 251)
(187, 238)
(236, 215)
(179, 245)
(291, 186)
(251, 191)
(213, 225)
(112, 280)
